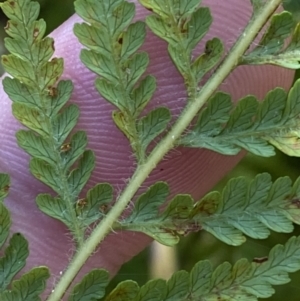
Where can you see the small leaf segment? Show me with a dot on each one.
(30, 285)
(112, 43)
(243, 208)
(293, 6)
(243, 281)
(182, 24)
(273, 48)
(39, 103)
(251, 125)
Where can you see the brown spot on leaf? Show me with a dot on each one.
(208, 50)
(182, 26)
(35, 113)
(52, 91)
(36, 32)
(170, 231)
(149, 8)
(65, 147)
(38, 175)
(6, 188)
(192, 227)
(103, 208)
(296, 202)
(260, 260)
(81, 203)
(6, 26)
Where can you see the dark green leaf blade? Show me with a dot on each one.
(19, 69)
(177, 286)
(145, 216)
(142, 94)
(159, 7)
(133, 39)
(214, 115)
(5, 223)
(26, 11)
(65, 122)
(14, 259)
(135, 67)
(39, 53)
(111, 92)
(82, 173)
(99, 64)
(62, 94)
(75, 149)
(152, 290)
(242, 116)
(224, 232)
(28, 287)
(27, 96)
(146, 207)
(213, 52)
(126, 290)
(200, 283)
(95, 12)
(96, 203)
(30, 117)
(36, 146)
(160, 28)
(55, 208)
(153, 124)
(198, 26)
(271, 109)
(4, 185)
(46, 174)
(293, 6)
(179, 208)
(94, 38)
(91, 287)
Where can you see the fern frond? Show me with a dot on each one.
(30, 285)
(251, 125)
(243, 281)
(112, 41)
(39, 103)
(272, 48)
(182, 24)
(251, 209)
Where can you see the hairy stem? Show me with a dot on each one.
(166, 144)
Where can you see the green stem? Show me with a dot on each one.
(166, 144)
